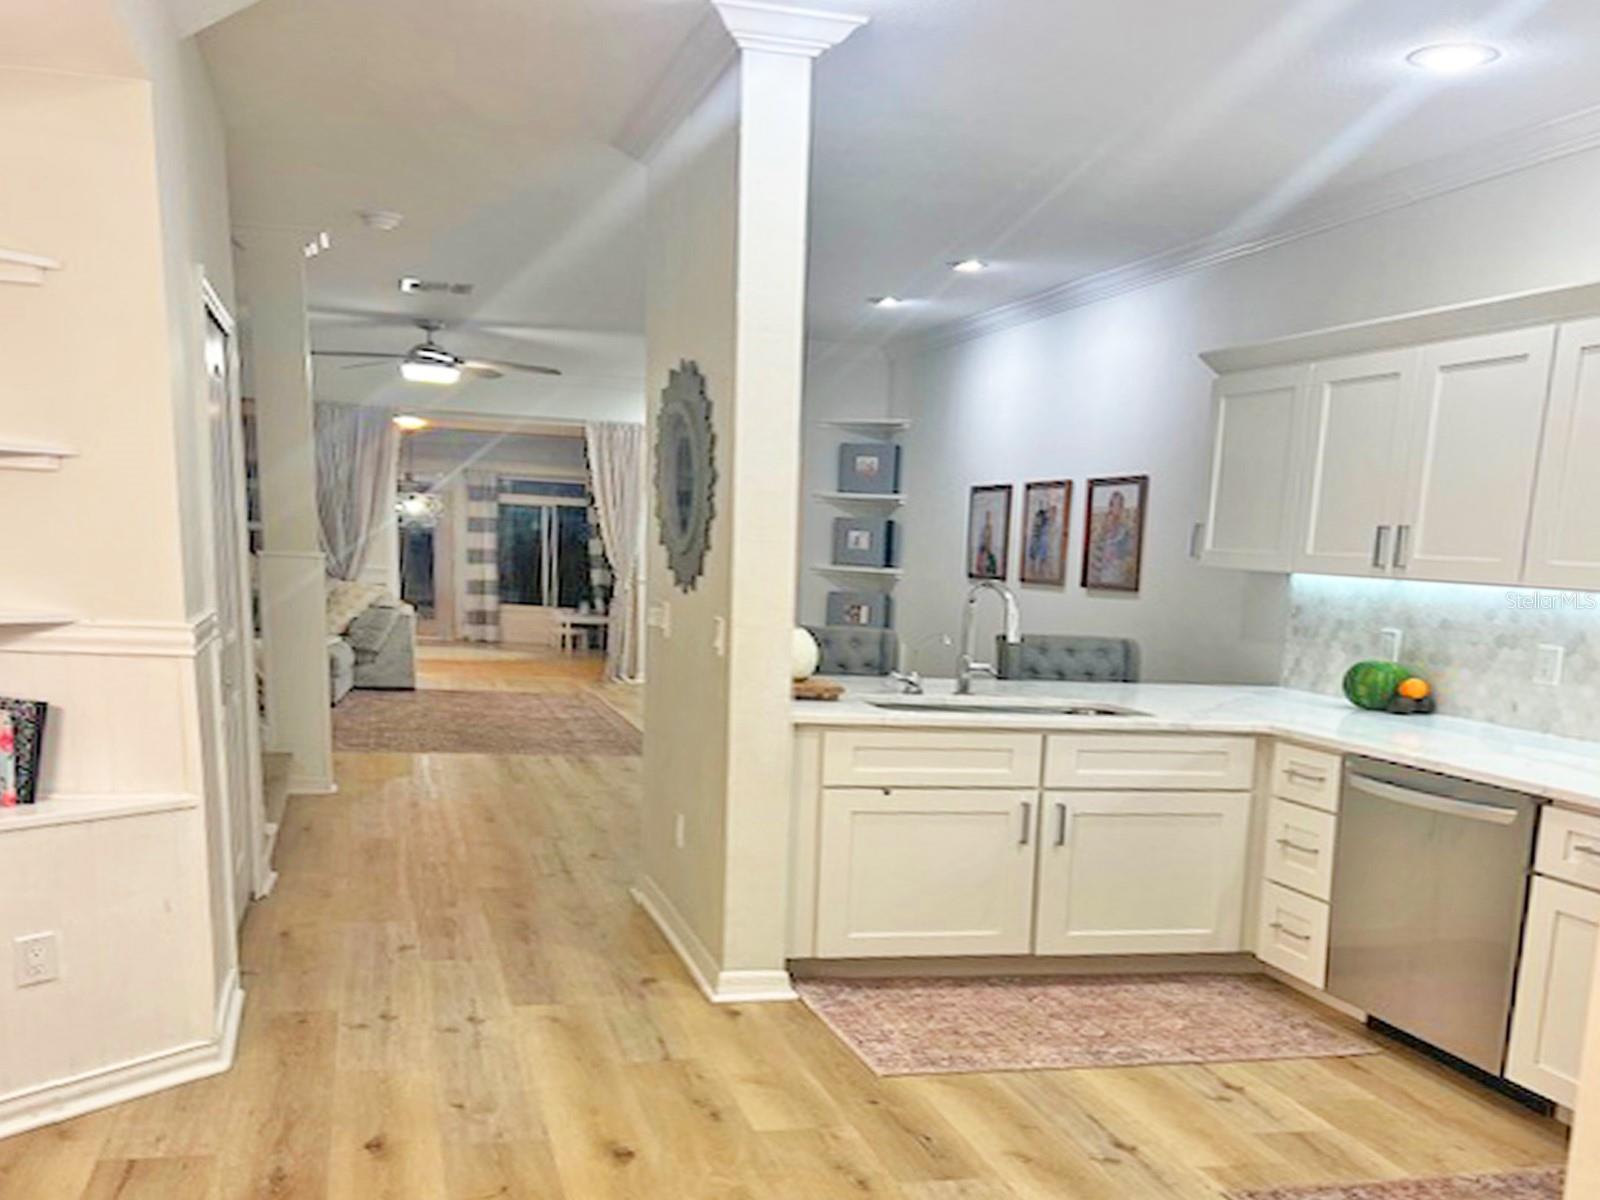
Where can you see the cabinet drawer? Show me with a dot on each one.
(919, 758)
(1569, 847)
(1553, 986)
(1293, 934)
(1149, 762)
(1300, 848)
(1306, 776)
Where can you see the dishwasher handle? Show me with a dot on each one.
(1493, 814)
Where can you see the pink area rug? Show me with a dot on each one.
(1027, 1023)
(442, 722)
(1518, 1185)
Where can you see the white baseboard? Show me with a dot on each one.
(79, 1094)
(719, 986)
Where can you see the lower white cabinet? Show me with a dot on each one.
(1553, 985)
(1292, 934)
(917, 871)
(1141, 872)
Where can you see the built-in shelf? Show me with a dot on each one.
(18, 616)
(841, 569)
(862, 497)
(881, 424)
(32, 456)
(74, 810)
(16, 266)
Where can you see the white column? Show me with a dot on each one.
(276, 343)
(777, 48)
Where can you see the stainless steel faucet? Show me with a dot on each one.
(967, 666)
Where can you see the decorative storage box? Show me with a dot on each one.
(872, 610)
(863, 542)
(871, 468)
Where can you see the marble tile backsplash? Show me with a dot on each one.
(1478, 645)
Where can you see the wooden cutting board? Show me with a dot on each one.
(817, 689)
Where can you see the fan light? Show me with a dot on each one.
(409, 424)
(886, 301)
(969, 266)
(1452, 58)
(430, 372)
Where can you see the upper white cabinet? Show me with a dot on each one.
(1352, 461)
(1564, 545)
(1475, 419)
(1250, 507)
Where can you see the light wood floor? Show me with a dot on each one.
(451, 997)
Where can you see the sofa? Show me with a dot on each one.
(372, 639)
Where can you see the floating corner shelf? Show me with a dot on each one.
(16, 266)
(842, 569)
(881, 424)
(32, 456)
(862, 497)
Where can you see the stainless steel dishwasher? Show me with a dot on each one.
(1430, 879)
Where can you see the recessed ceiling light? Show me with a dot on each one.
(969, 266)
(384, 220)
(885, 301)
(1452, 58)
(410, 424)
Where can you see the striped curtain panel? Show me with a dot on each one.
(479, 602)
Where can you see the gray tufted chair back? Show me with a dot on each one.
(1062, 656)
(851, 650)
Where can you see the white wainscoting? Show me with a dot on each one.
(113, 859)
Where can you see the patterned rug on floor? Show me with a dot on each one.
(1028, 1023)
(441, 722)
(1518, 1185)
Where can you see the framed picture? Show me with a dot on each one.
(1046, 512)
(21, 749)
(1113, 540)
(870, 468)
(989, 532)
(870, 610)
(863, 542)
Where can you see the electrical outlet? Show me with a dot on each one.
(38, 959)
(1549, 664)
(680, 832)
(1390, 642)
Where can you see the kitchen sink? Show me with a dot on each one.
(1003, 704)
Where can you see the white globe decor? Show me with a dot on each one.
(804, 654)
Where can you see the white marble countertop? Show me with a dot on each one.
(1560, 769)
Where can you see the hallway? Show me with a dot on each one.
(451, 995)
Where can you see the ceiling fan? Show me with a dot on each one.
(429, 362)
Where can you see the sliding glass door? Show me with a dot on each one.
(544, 548)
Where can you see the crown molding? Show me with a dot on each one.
(779, 29)
(706, 54)
(1497, 157)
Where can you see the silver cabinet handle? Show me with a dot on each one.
(1027, 823)
(1584, 848)
(1380, 542)
(1291, 844)
(1402, 535)
(1061, 824)
(1282, 928)
(1306, 776)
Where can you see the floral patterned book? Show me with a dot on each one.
(21, 744)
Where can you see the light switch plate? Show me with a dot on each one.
(37, 959)
(1390, 643)
(1549, 664)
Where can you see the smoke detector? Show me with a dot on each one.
(411, 285)
(382, 219)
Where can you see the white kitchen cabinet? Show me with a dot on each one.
(982, 758)
(1141, 872)
(1564, 542)
(912, 871)
(1553, 985)
(1472, 449)
(1249, 519)
(1352, 457)
(1292, 934)
(1299, 849)
(1149, 761)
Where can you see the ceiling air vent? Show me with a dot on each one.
(411, 285)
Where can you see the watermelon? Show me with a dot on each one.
(1372, 684)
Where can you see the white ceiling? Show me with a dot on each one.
(1059, 140)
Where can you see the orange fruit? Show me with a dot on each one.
(1414, 688)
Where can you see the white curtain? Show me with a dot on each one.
(356, 448)
(616, 468)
